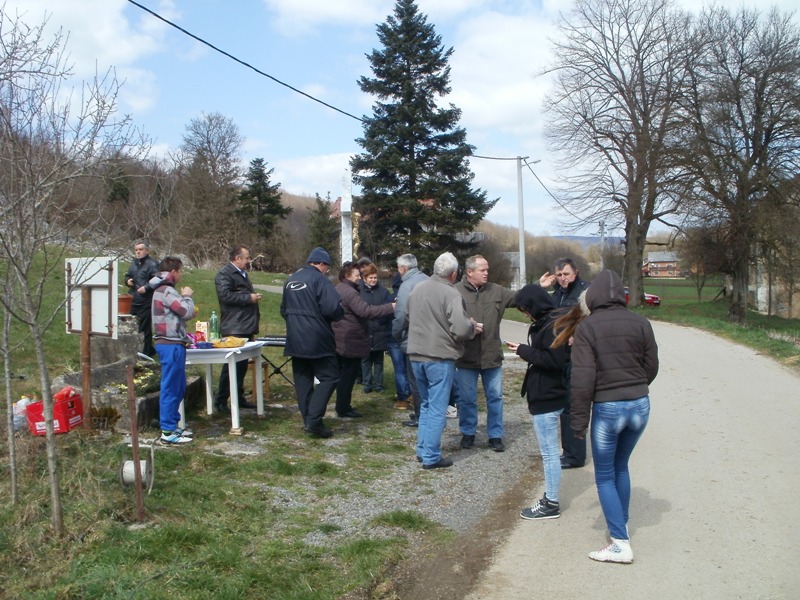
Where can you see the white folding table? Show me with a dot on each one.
(230, 356)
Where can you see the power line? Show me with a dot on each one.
(561, 204)
(243, 63)
(527, 164)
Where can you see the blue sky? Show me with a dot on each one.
(319, 46)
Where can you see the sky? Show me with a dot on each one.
(501, 48)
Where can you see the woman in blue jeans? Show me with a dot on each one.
(614, 359)
(546, 393)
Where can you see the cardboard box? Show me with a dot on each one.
(67, 413)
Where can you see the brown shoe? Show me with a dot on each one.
(402, 405)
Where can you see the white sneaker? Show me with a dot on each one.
(451, 412)
(618, 551)
(173, 437)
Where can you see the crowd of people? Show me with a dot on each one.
(589, 360)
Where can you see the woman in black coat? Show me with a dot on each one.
(545, 390)
(379, 330)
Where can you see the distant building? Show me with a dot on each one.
(661, 264)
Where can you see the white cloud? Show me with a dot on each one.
(313, 174)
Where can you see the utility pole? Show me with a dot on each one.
(602, 245)
(522, 275)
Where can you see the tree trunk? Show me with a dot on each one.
(12, 452)
(737, 312)
(633, 263)
(52, 463)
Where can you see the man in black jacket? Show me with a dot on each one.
(239, 316)
(568, 289)
(143, 268)
(310, 303)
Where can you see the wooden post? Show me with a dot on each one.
(86, 354)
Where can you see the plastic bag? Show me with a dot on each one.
(21, 413)
(229, 342)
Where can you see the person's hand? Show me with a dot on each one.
(478, 326)
(512, 346)
(142, 290)
(255, 298)
(547, 279)
(129, 283)
(579, 435)
(186, 291)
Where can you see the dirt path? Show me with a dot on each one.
(715, 511)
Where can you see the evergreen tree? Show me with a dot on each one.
(323, 229)
(414, 171)
(259, 203)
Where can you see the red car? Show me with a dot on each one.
(649, 299)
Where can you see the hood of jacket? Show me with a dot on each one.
(162, 278)
(534, 300)
(606, 290)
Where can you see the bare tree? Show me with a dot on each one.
(621, 66)
(744, 120)
(51, 143)
(208, 184)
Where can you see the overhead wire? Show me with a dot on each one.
(243, 63)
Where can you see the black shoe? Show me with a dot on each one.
(569, 465)
(319, 431)
(419, 459)
(497, 445)
(442, 464)
(411, 423)
(350, 414)
(467, 441)
(245, 404)
(222, 408)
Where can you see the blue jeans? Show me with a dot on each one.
(401, 385)
(173, 384)
(434, 381)
(467, 382)
(616, 428)
(546, 427)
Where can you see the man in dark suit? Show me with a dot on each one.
(239, 316)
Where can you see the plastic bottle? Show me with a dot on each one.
(213, 326)
(21, 413)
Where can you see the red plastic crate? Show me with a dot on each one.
(67, 413)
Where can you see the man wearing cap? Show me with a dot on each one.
(310, 304)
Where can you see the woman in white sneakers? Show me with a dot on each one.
(614, 359)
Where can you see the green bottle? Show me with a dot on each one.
(213, 327)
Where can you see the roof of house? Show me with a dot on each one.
(662, 257)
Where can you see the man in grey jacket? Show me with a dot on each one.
(438, 326)
(410, 277)
(483, 355)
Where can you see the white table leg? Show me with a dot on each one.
(209, 391)
(235, 426)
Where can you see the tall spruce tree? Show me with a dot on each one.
(259, 203)
(414, 172)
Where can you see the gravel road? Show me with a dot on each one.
(714, 510)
